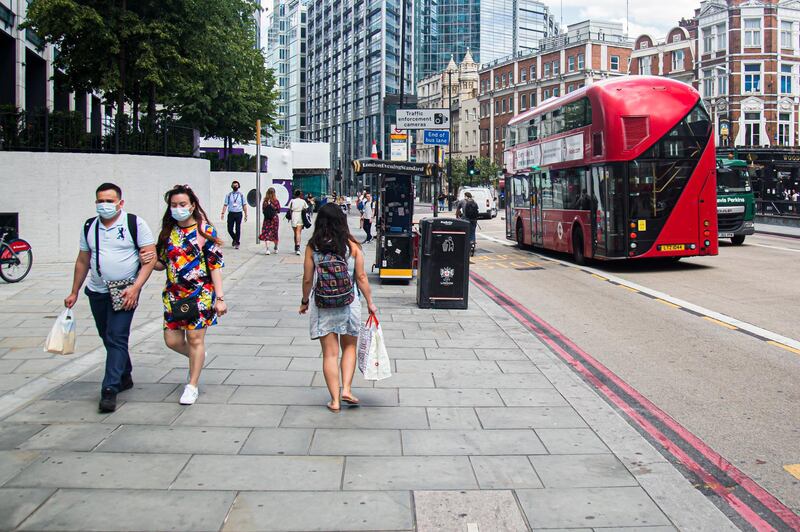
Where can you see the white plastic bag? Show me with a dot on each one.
(61, 340)
(373, 360)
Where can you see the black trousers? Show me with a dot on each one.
(235, 227)
(368, 229)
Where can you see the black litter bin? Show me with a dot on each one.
(443, 274)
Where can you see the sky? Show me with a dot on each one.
(644, 16)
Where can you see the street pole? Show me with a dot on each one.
(450, 140)
(436, 179)
(258, 179)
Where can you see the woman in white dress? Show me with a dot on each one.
(296, 208)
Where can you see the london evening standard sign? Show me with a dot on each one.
(550, 152)
(423, 119)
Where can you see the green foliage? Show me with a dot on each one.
(194, 58)
(485, 168)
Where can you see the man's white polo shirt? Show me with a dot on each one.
(118, 256)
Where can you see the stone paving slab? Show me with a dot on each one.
(16, 504)
(332, 510)
(70, 437)
(470, 442)
(189, 440)
(143, 510)
(409, 473)
(467, 510)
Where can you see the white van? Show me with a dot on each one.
(487, 208)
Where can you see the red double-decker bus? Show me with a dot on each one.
(622, 168)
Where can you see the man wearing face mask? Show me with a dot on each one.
(236, 207)
(110, 247)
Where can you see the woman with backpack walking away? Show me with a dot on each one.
(271, 207)
(334, 269)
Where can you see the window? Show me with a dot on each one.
(497, 82)
(546, 94)
(511, 104)
(786, 79)
(577, 114)
(497, 107)
(503, 78)
(708, 40)
(580, 61)
(786, 35)
(752, 77)
(483, 86)
(497, 134)
(533, 72)
(752, 32)
(677, 60)
(722, 36)
(571, 63)
(676, 37)
(570, 88)
(722, 84)
(505, 105)
(547, 70)
(615, 63)
(646, 65)
(510, 78)
(523, 102)
(523, 74)
(708, 84)
(784, 129)
(556, 67)
(556, 92)
(752, 129)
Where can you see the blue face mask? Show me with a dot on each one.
(180, 213)
(106, 211)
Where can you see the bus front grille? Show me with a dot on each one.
(730, 222)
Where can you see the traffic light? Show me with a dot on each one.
(471, 170)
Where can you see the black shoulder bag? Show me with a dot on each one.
(188, 308)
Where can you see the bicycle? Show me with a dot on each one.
(16, 257)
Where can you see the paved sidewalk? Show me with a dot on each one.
(480, 428)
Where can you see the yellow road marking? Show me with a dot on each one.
(667, 303)
(635, 291)
(793, 469)
(720, 323)
(599, 277)
(782, 346)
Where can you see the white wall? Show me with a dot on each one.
(54, 192)
(311, 155)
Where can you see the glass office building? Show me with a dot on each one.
(286, 56)
(490, 29)
(353, 82)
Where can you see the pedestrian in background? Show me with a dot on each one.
(270, 208)
(236, 206)
(110, 248)
(295, 216)
(189, 249)
(367, 215)
(335, 312)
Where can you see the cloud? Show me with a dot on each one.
(643, 17)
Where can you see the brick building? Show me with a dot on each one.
(588, 51)
(674, 57)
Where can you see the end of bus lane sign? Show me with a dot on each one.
(436, 137)
(423, 119)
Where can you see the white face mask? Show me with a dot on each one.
(106, 211)
(180, 213)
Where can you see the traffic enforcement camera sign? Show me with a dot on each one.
(423, 119)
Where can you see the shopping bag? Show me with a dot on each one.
(373, 360)
(61, 340)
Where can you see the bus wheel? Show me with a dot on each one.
(520, 235)
(738, 240)
(577, 247)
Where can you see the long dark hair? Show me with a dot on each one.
(168, 223)
(331, 232)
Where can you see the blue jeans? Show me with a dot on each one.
(473, 226)
(114, 328)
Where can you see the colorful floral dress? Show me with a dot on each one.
(189, 274)
(269, 229)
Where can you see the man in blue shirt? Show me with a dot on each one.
(110, 248)
(236, 207)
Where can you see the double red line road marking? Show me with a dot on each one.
(737, 495)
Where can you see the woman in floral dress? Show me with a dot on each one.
(189, 250)
(271, 208)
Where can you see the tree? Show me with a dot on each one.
(486, 172)
(196, 59)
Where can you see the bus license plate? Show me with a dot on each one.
(672, 247)
(726, 235)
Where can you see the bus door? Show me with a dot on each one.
(540, 182)
(609, 229)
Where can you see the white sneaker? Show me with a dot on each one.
(190, 394)
(275, 251)
(297, 252)
(267, 253)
